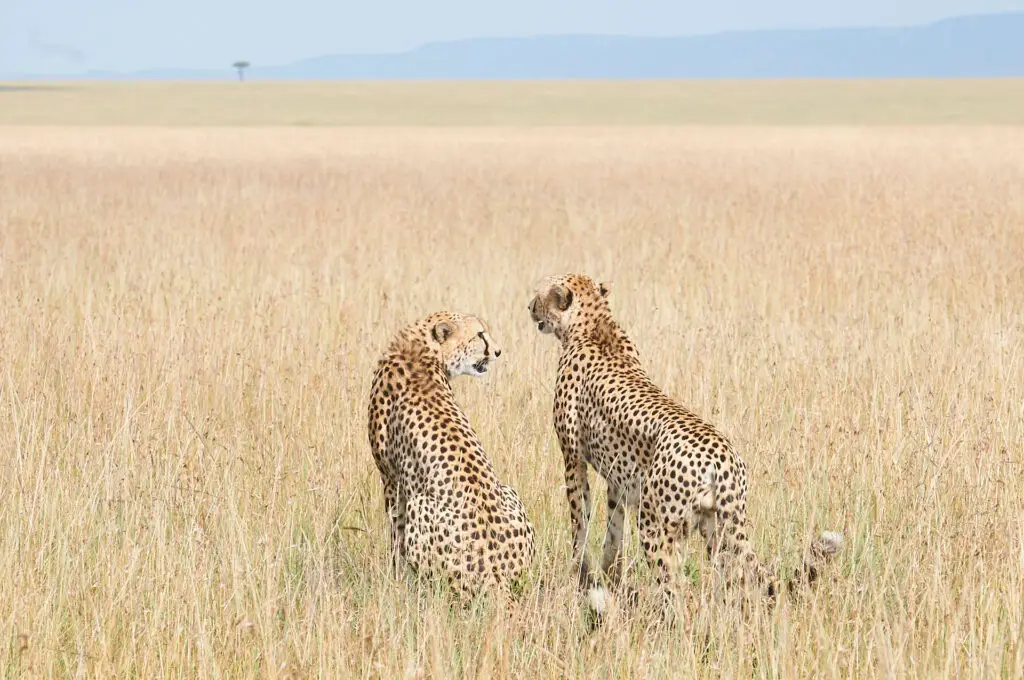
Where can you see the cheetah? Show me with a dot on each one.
(676, 471)
(448, 514)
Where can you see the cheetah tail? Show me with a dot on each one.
(820, 552)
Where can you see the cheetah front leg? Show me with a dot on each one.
(394, 508)
(577, 488)
(611, 558)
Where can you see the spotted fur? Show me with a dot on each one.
(659, 459)
(449, 516)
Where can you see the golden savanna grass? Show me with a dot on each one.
(190, 318)
(517, 103)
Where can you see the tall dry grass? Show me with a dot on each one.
(188, 324)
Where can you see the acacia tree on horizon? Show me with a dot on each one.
(240, 66)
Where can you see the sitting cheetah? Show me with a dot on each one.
(656, 456)
(448, 513)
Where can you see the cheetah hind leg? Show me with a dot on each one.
(433, 553)
(725, 549)
(518, 539)
(659, 541)
(739, 566)
(424, 547)
(395, 511)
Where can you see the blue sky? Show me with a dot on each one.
(69, 36)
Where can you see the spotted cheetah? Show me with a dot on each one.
(448, 513)
(657, 458)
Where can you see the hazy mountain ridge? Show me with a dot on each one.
(969, 46)
(964, 47)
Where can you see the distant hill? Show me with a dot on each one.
(975, 46)
(971, 46)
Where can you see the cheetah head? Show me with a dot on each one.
(560, 299)
(463, 343)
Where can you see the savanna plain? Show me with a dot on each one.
(190, 314)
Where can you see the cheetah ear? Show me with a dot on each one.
(563, 297)
(442, 332)
(604, 290)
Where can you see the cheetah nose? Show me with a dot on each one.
(497, 352)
